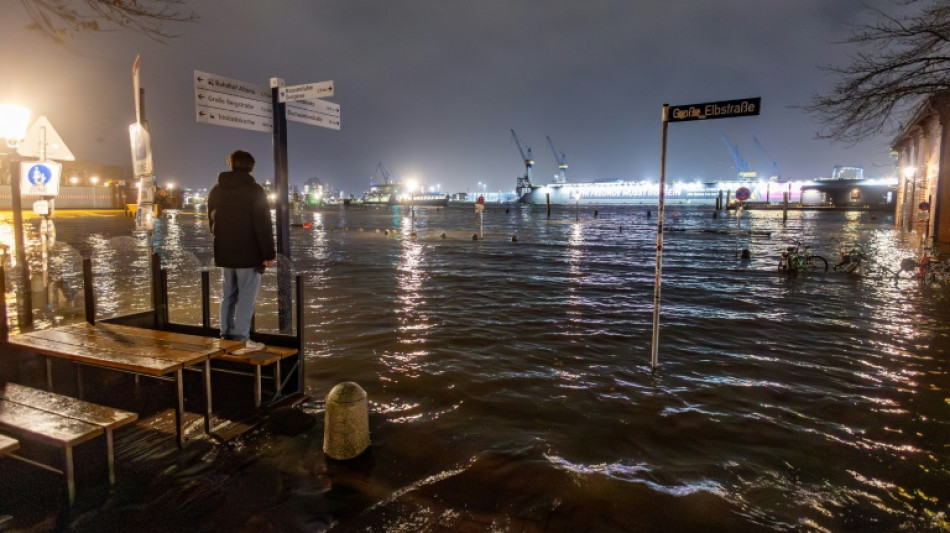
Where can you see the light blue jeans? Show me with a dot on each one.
(241, 286)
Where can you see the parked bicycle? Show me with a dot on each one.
(930, 269)
(799, 258)
(853, 261)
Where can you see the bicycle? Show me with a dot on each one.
(929, 270)
(852, 261)
(798, 258)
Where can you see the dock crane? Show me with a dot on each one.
(524, 183)
(384, 172)
(774, 176)
(561, 164)
(742, 166)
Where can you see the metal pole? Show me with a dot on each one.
(654, 358)
(24, 287)
(284, 303)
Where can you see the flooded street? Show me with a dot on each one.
(510, 384)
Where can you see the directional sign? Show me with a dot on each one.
(315, 119)
(725, 109)
(229, 102)
(238, 104)
(40, 178)
(307, 91)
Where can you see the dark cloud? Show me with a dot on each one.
(431, 88)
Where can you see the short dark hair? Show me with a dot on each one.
(241, 161)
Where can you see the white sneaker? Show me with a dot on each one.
(253, 345)
(250, 347)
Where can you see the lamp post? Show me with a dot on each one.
(14, 121)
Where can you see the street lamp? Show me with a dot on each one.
(14, 121)
(94, 180)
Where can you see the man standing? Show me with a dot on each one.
(243, 243)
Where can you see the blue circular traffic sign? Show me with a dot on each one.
(743, 194)
(39, 175)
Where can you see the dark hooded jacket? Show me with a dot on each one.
(240, 222)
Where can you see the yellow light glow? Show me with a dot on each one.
(14, 121)
(909, 172)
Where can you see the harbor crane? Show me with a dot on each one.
(561, 164)
(742, 166)
(524, 183)
(774, 176)
(384, 172)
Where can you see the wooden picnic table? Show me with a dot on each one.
(141, 351)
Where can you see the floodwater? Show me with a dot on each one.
(511, 387)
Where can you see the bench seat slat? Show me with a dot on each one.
(88, 340)
(45, 426)
(134, 363)
(203, 343)
(99, 415)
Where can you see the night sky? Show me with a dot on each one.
(432, 88)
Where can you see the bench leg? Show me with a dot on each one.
(110, 457)
(49, 374)
(278, 385)
(70, 476)
(257, 386)
(180, 409)
(207, 380)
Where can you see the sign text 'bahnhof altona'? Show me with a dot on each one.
(726, 109)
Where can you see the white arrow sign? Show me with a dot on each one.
(315, 119)
(307, 91)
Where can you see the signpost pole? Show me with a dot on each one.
(682, 113)
(654, 349)
(24, 286)
(284, 303)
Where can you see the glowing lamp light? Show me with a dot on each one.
(14, 121)
(909, 172)
(411, 185)
(73, 180)
(94, 180)
(170, 186)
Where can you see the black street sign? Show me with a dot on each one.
(746, 107)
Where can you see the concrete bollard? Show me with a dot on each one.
(346, 424)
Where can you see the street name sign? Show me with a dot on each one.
(725, 109)
(306, 91)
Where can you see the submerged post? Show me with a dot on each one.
(89, 294)
(346, 424)
(657, 280)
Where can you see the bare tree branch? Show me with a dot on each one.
(902, 61)
(60, 19)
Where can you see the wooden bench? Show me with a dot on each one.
(158, 354)
(270, 355)
(60, 421)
